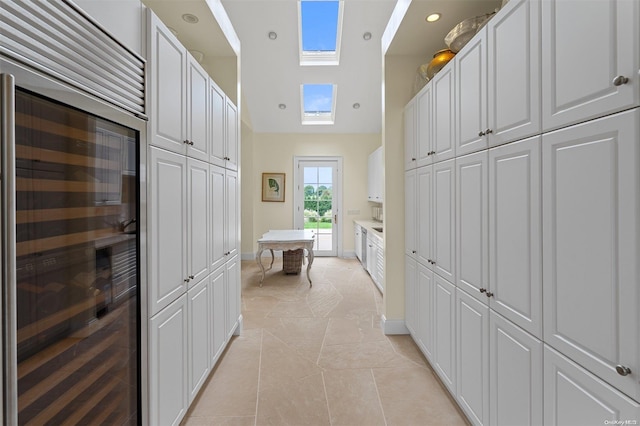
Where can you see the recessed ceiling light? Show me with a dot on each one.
(189, 18)
(433, 17)
(366, 36)
(282, 106)
(273, 35)
(356, 105)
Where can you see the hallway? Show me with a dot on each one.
(317, 356)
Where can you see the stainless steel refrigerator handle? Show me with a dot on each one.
(8, 250)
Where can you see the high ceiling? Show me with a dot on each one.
(272, 75)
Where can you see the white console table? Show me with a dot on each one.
(286, 239)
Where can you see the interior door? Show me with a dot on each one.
(317, 203)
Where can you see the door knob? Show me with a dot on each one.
(622, 370)
(620, 80)
(489, 294)
(481, 133)
(488, 131)
(191, 277)
(483, 290)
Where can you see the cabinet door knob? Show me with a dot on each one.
(488, 131)
(432, 153)
(413, 159)
(186, 141)
(481, 133)
(489, 294)
(622, 370)
(190, 142)
(483, 290)
(620, 80)
(191, 277)
(186, 280)
(413, 251)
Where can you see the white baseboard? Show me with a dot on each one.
(349, 254)
(393, 326)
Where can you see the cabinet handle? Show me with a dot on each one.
(620, 80)
(483, 290)
(190, 142)
(413, 159)
(488, 131)
(186, 280)
(481, 133)
(622, 370)
(432, 153)
(191, 277)
(186, 141)
(413, 251)
(489, 294)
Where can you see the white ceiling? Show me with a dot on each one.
(271, 74)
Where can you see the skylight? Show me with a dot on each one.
(320, 28)
(318, 103)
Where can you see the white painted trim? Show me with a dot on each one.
(393, 326)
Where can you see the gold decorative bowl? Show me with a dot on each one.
(440, 59)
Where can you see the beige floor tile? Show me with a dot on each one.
(404, 345)
(219, 421)
(281, 363)
(413, 396)
(345, 330)
(377, 354)
(353, 398)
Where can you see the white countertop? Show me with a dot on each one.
(369, 225)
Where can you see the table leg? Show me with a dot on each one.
(272, 259)
(259, 260)
(310, 258)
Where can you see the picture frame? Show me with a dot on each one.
(273, 186)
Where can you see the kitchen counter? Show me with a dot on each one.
(369, 225)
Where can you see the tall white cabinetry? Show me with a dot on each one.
(193, 225)
(523, 238)
(375, 173)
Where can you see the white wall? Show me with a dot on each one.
(275, 152)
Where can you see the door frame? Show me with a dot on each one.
(298, 199)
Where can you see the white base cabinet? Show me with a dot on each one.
(198, 308)
(444, 331)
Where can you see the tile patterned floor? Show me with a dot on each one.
(317, 356)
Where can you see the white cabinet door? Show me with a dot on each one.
(168, 364)
(357, 241)
(444, 338)
(410, 296)
(514, 72)
(410, 216)
(232, 283)
(424, 180)
(515, 380)
(199, 333)
(197, 111)
(515, 269)
(232, 139)
(591, 235)
(375, 176)
(197, 220)
(424, 131)
(444, 219)
(167, 87)
(231, 219)
(217, 124)
(425, 293)
(471, 91)
(380, 265)
(574, 396)
(167, 236)
(217, 236)
(410, 135)
(472, 224)
(218, 312)
(581, 63)
(443, 116)
(472, 357)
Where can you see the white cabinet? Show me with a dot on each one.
(472, 224)
(380, 265)
(198, 325)
(168, 364)
(167, 93)
(591, 235)
(444, 331)
(197, 110)
(375, 176)
(357, 241)
(232, 287)
(424, 214)
(576, 85)
(223, 130)
(410, 296)
(218, 314)
(513, 72)
(425, 295)
(515, 268)
(167, 228)
(443, 115)
(574, 396)
(410, 213)
(232, 228)
(232, 135)
(472, 357)
(424, 141)
(217, 247)
(515, 381)
(471, 92)
(198, 205)
(444, 219)
(410, 156)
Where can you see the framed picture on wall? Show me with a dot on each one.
(273, 187)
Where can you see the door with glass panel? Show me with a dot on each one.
(316, 206)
